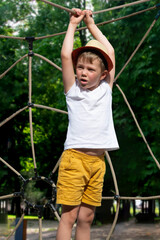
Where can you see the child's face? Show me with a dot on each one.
(89, 74)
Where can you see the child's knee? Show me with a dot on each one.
(69, 215)
(85, 218)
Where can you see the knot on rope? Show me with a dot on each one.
(30, 54)
(17, 194)
(117, 197)
(31, 105)
(30, 41)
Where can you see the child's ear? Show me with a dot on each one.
(104, 75)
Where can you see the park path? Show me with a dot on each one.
(124, 231)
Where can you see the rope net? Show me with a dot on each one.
(30, 105)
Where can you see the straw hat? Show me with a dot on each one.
(93, 46)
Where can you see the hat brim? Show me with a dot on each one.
(78, 51)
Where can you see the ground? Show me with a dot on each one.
(124, 231)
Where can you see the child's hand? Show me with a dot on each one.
(88, 17)
(77, 17)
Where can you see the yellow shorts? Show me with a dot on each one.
(80, 178)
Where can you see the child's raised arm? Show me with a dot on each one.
(67, 48)
(98, 35)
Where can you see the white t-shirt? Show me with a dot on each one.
(90, 118)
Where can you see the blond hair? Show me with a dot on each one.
(90, 57)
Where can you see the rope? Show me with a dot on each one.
(117, 193)
(3, 74)
(56, 166)
(101, 11)
(55, 212)
(10, 167)
(127, 16)
(58, 6)
(100, 24)
(18, 38)
(146, 34)
(121, 6)
(133, 198)
(57, 216)
(12, 116)
(47, 60)
(26, 55)
(50, 108)
(53, 35)
(30, 112)
(141, 198)
(6, 196)
(118, 207)
(115, 221)
(112, 171)
(137, 124)
(125, 99)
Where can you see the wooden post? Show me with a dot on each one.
(21, 231)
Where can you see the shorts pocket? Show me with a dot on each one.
(66, 162)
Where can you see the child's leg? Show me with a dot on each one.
(68, 218)
(84, 221)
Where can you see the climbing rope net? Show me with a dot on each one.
(36, 177)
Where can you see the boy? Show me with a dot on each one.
(90, 130)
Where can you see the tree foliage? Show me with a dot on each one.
(135, 169)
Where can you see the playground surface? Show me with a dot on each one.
(124, 231)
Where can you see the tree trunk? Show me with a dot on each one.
(125, 210)
(103, 213)
(151, 207)
(134, 207)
